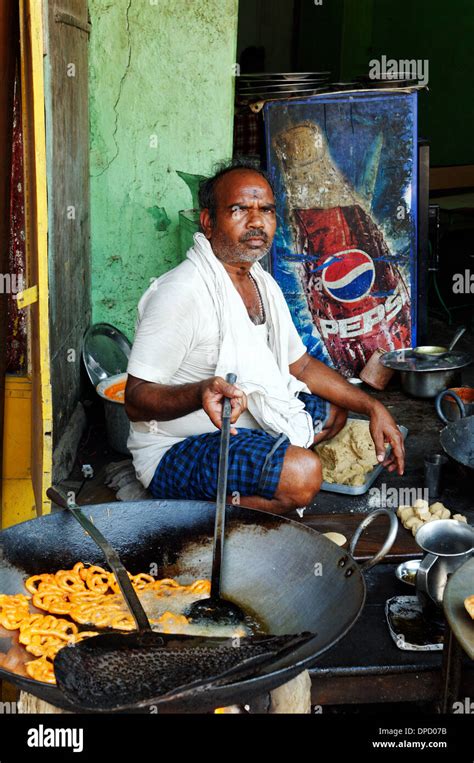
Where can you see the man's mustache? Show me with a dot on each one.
(253, 234)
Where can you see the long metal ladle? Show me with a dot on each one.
(216, 608)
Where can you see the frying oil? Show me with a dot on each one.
(178, 603)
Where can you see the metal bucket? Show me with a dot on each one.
(117, 422)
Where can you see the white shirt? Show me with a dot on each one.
(177, 342)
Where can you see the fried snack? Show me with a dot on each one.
(41, 670)
(469, 604)
(86, 595)
(13, 609)
(91, 595)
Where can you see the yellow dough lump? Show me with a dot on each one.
(348, 457)
(413, 517)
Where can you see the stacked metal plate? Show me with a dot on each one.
(267, 86)
(282, 85)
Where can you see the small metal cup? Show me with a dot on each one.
(433, 473)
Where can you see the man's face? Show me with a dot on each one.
(245, 221)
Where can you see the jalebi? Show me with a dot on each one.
(88, 595)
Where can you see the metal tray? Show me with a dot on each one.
(336, 487)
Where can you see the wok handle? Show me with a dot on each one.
(457, 400)
(120, 573)
(392, 534)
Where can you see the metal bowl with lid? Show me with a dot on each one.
(424, 376)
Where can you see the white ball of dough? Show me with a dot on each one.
(403, 508)
(406, 512)
(412, 521)
(338, 538)
(423, 514)
(416, 526)
(420, 503)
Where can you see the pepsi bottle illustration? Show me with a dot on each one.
(356, 294)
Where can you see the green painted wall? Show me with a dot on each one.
(442, 33)
(345, 35)
(161, 91)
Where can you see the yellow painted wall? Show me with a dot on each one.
(18, 502)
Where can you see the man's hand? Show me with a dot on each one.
(213, 392)
(330, 385)
(384, 430)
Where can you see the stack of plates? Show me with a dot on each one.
(265, 86)
(282, 85)
(366, 82)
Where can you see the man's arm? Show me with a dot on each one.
(330, 385)
(148, 401)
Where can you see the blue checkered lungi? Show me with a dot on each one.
(189, 469)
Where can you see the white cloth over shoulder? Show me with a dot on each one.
(262, 371)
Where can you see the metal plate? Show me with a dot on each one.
(407, 360)
(105, 352)
(336, 487)
(265, 96)
(281, 87)
(409, 628)
(286, 75)
(460, 586)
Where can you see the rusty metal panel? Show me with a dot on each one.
(8, 55)
(17, 317)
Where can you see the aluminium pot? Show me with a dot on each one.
(426, 384)
(425, 378)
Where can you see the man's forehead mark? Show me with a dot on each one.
(242, 203)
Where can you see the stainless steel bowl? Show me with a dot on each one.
(426, 384)
(425, 377)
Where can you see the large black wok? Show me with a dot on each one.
(457, 441)
(293, 578)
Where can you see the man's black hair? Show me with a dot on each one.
(207, 187)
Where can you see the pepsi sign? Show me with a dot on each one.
(348, 276)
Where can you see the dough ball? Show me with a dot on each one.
(412, 521)
(445, 514)
(460, 518)
(420, 504)
(338, 538)
(347, 458)
(406, 512)
(422, 513)
(403, 508)
(416, 526)
(437, 507)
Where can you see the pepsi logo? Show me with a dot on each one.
(348, 276)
